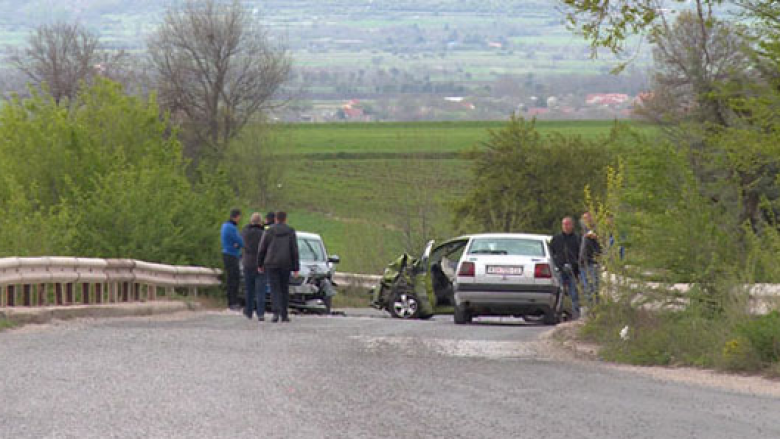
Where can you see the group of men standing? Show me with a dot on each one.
(576, 257)
(268, 251)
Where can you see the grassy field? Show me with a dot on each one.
(375, 190)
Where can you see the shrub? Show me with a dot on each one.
(103, 177)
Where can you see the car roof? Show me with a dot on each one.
(505, 235)
(308, 235)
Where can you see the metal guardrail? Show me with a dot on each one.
(56, 280)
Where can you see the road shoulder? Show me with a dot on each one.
(563, 340)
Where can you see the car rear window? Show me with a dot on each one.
(507, 246)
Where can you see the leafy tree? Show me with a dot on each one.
(523, 181)
(103, 177)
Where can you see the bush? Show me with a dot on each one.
(763, 335)
(103, 177)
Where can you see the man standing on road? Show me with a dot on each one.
(232, 243)
(565, 248)
(278, 256)
(590, 250)
(270, 219)
(255, 281)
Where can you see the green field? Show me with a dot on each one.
(369, 188)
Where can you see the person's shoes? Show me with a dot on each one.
(248, 315)
(285, 319)
(260, 318)
(275, 319)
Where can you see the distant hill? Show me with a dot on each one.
(400, 58)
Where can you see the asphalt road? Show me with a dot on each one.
(219, 375)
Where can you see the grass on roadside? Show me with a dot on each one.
(6, 324)
(351, 298)
(694, 337)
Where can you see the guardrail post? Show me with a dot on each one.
(11, 295)
(58, 294)
(85, 294)
(98, 293)
(27, 295)
(125, 291)
(43, 296)
(3, 293)
(69, 293)
(151, 292)
(137, 292)
(169, 292)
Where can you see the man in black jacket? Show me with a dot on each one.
(277, 257)
(565, 248)
(255, 281)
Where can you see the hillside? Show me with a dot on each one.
(400, 59)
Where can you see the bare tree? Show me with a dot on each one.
(695, 57)
(216, 69)
(60, 55)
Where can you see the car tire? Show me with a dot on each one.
(551, 318)
(461, 315)
(404, 305)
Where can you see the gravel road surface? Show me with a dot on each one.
(219, 375)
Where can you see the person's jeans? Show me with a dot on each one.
(590, 283)
(279, 279)
(233, 274)
(256, 287)
(569, 284)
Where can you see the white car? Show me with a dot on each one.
(313, 289)
(508, 275)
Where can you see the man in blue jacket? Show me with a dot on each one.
(232, 243)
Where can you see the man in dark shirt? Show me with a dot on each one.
(278, 257)
(565, 248)
(255, 281)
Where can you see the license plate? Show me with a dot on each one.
(504, 270)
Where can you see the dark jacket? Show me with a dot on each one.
(590, 250)
(279, 249)
(566, 250)
(252, 235)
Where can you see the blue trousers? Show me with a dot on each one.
(569, 284)
(256, 290)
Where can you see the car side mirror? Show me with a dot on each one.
(334, 259)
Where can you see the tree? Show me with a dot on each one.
(63, 56)
(523, 181)
(103, 176)
(216, 70)
(694, 65)
(607, 24)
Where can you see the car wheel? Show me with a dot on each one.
(462, 315)
(551, 318)
(404, 306)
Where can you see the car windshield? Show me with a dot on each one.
(507, 246)
(311, 250)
